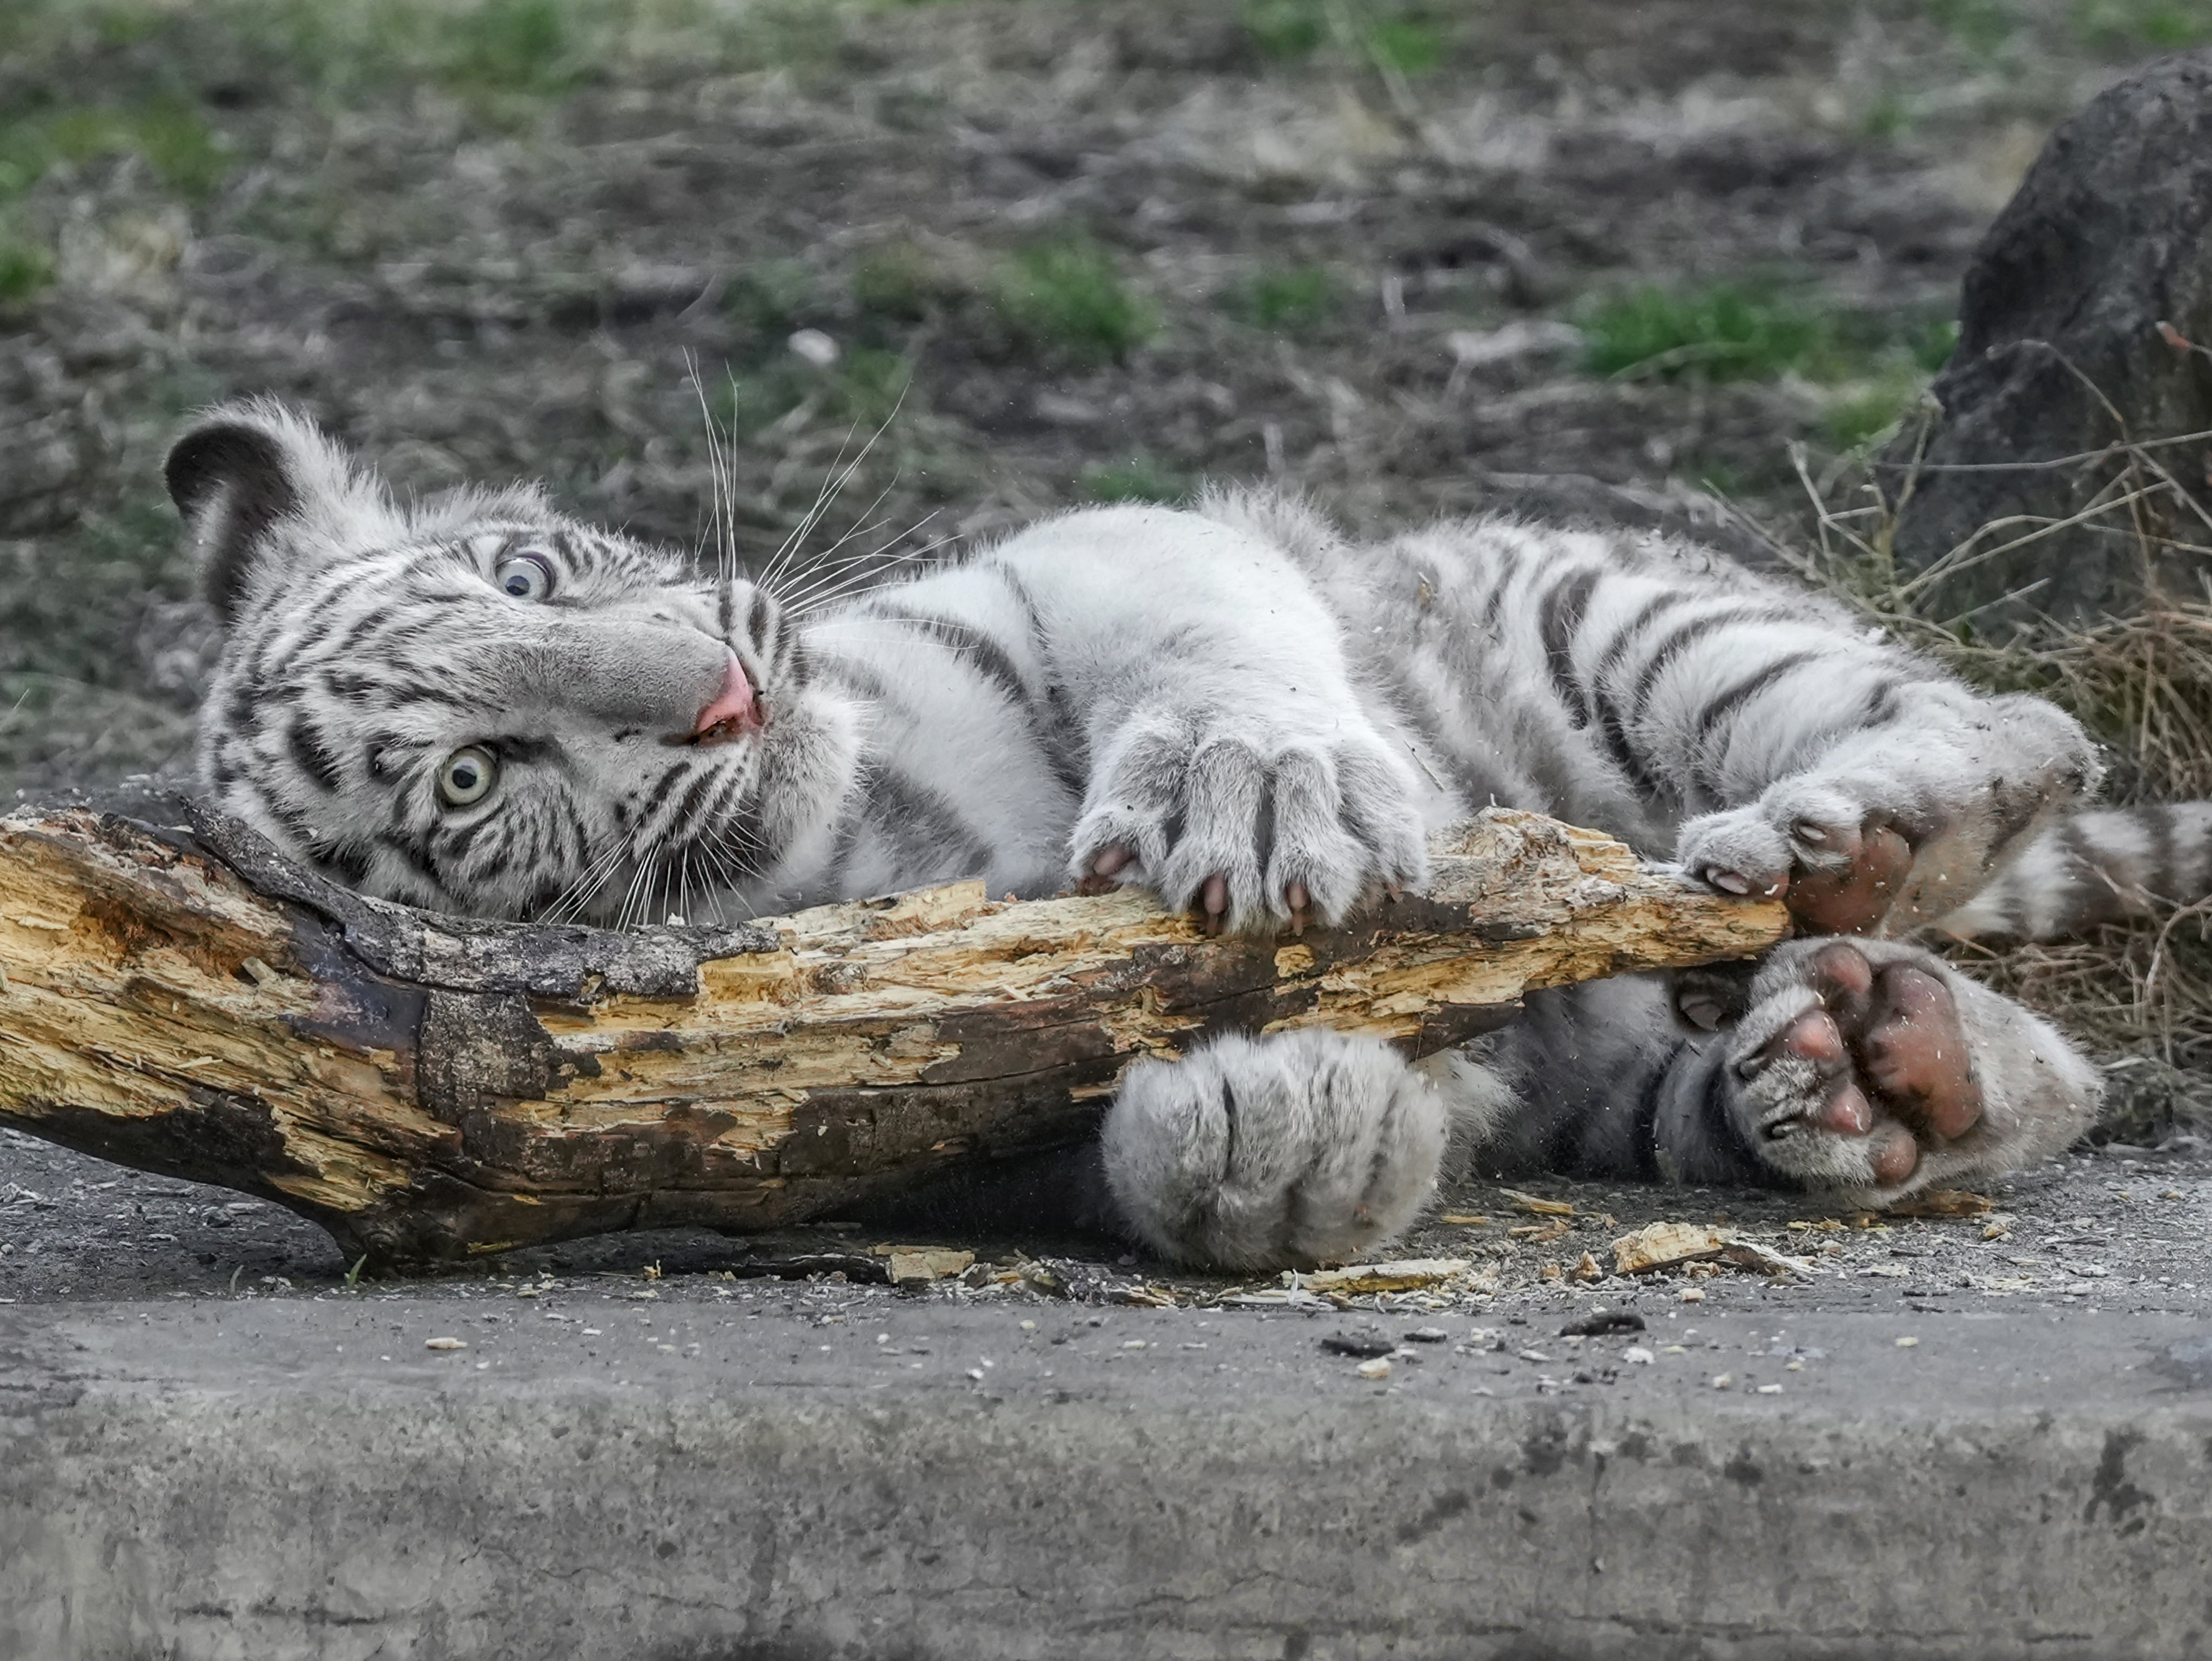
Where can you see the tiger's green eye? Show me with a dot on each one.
(467, 776)
(524, 576)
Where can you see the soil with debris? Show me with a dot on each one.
(1521, 1279)
(1409, 257)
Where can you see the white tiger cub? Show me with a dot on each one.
(478, 705)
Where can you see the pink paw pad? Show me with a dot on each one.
(1845, 885)
(1886, 1044)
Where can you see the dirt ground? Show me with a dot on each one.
(1410, 257)
(2119, 1230)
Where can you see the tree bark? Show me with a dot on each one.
(179, 998)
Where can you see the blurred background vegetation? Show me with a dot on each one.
(1412, 256)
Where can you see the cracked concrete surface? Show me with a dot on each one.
(1952, 1437)
(257, 1478)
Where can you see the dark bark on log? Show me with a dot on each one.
(178, 997)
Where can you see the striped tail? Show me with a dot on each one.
(2092, 868)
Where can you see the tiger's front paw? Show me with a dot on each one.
(1876, 1069)
(1836, 868)
(1249, 836)
(1898, 825)
(1294, 1148)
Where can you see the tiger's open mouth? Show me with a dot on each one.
(729, 731)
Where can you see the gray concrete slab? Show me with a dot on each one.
(213, 1448)
(594, 1476)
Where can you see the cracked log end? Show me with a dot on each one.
(428, 1088)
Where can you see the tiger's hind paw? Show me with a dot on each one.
(1876, 1069)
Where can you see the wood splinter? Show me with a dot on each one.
(179, 998)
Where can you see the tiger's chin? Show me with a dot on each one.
(810, 764)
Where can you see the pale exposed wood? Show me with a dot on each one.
(181, 999)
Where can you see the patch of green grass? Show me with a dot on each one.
(1406, 45)
(751, 400)
(1140, 479)
(1296, 301)
(1983, 25)
(773, 296)
(500, 57)
(1862, 412)
(127, 22)
(26, 269)
(1287, 28)
(864, 389)
(1932, 342)
(2131, 26)
(1718, 333)
(171, 136)
(900, 280)
(1065, 296)
(868, 385)
(1872, 368)
(174, 138)
(1403, 37)
(513, 45)
(1754, 331)
(1886, 116)
(1717, 477)
(83, 629)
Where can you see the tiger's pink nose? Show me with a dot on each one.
(733, 712)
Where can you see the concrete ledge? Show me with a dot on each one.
(204, 1482)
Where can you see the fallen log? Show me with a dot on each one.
(177, 997)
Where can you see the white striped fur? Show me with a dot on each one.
(1245, 708)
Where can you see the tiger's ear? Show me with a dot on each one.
(260, 486)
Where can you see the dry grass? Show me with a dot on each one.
(2137, 994)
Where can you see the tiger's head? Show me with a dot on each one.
(478, 705)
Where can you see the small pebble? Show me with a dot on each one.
(1377, 1368)
(1637, 1355)
(1908, 1343)
(1427, 1336)
(1602, 1323)
(814, 347)
(446, 1343)
(1723, 1380)
(1693, 1295)
(1770, 1389)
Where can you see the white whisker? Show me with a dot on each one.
(840, 474)
(829, 594)
(872, 564)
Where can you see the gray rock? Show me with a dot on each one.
(2109, 238)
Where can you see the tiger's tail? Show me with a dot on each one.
(2092, 868)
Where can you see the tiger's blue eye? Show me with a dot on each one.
(467, 776)
(524, 576)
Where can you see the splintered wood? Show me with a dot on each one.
(1669, 1245)
(426, 1088)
